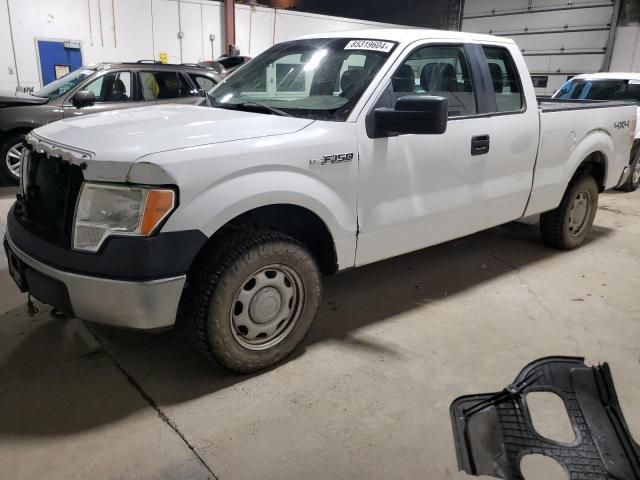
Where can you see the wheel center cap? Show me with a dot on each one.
(580, 211)
(265, 305)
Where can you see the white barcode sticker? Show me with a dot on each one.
(375, 45)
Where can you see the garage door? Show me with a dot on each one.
(559, 39)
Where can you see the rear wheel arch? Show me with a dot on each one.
(594, 164)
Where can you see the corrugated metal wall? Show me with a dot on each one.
(558, 38)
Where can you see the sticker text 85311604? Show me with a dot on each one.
(375, 45)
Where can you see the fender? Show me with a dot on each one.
(551, 179)
(596, 141)
(228, 200)
(236, 177)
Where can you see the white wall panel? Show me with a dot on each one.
(626, 50)
(574, 41)
(291, 24)
(141, 29)
(7, 66)
(191, 27)
(31, 19)
(489, 7)
(212, 24)
(254, 29)
(544, 33)
(575, 63)
(165, 29)
(591, 17)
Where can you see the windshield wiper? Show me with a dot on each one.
(250, 105)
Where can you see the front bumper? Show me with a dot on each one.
(148, 304)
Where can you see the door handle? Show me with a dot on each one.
(480, 144)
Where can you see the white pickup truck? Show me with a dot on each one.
(321, 154)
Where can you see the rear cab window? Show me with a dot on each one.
(505, 79)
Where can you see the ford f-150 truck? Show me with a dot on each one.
(321, 154)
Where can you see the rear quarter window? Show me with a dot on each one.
(505, 79)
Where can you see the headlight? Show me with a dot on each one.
(105, 210)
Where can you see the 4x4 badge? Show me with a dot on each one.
(330, 159)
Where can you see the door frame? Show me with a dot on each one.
(48, 39)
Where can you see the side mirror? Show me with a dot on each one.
(83, 98)
(417, 114)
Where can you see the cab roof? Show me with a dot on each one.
(410, 35)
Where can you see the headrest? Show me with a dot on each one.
(437, 77)
(350, 80)
(496, 76)
(404, 79)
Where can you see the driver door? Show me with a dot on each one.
(420, 190)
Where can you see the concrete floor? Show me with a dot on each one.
(366, 397)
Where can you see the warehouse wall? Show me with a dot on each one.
(626, 49)
(129, 30)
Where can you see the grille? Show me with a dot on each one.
(46, 206)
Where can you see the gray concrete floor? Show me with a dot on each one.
(368, 394)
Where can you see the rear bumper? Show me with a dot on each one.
(148, 304)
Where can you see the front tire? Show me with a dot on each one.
(10, 154)
(569, 225)
(252, 300)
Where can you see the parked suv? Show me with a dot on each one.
(95, 88)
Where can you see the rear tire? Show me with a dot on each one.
(10, 159)
(633, 181)
(569, 225)
(252, 299)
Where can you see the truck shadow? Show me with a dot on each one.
(62, 376)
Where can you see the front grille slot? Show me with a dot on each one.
(48, 203)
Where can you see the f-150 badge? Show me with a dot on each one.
(331, 159)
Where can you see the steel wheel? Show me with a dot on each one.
(635, 174)
(267, 307)
(12, 159)
(580, 212)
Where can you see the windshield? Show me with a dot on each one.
(600, 89)
(315, 78)
(62, 85)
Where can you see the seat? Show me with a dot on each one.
(118, 92)
(403, 80)
(350, 81)
(496, 77)
(439, 77)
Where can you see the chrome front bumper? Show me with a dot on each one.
(140, 305)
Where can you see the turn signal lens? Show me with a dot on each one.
(159, 204)
(105, 210)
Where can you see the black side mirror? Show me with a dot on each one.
(417, 114)
(83, 98)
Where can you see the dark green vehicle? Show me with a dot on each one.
(91, 89)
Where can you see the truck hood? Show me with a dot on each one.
(15, 99)
(125, 136)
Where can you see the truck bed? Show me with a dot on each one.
(569, 133)
(547, 104)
